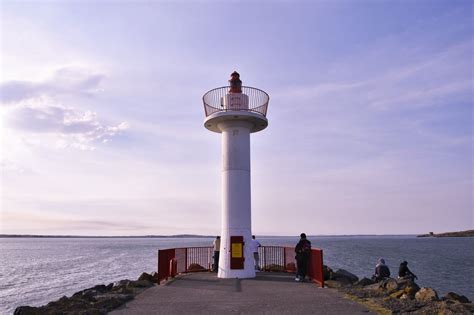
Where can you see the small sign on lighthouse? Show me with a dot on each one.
(236, 111)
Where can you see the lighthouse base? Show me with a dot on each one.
(230, 253)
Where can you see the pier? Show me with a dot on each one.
(267, 293)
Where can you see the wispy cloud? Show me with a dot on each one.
(438, 78)
(34, 108)
(68, 80)
(73, 127)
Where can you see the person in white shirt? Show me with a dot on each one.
(254, 245)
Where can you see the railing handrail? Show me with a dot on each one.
(257, 100)
(274, 258)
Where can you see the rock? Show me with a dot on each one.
(27, 310)
(364, 282)
(156, 278)
(372, 287)
(122, 283)
(404, 296)
(426, 295)
(146, 276)
(411, 290)
(327, 272)
(456, 297)
(333, 284)
(345, 276)
(389, 284)
(97, 300)
(397, 294)
(196, 267)
(139, 284)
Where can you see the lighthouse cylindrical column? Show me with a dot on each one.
(236, 200)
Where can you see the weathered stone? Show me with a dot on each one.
(156, 278)
(364, 282)
(389, 284)
(27, 310)
(404, 296)
(327, 272)
(196, 267)
(146, 276)
(333, 284)
(140, 284)
(411, 290)
(426, 295)
(342, 275)
(456, 297)
(397, 294)
(372, 287)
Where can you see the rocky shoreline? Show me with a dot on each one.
(468, 233)
(99, 299)
(396, 296)
(390, 296)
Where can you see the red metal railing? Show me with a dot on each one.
(272, 258)
(182, 260)
(315, 268)
(257, 100)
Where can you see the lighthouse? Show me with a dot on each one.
(236, 111)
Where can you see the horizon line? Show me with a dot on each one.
(181, 235)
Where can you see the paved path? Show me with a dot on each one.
(268, 293)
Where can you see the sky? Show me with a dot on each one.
(370, 115)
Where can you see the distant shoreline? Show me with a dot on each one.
(467, 233)
(194, 236)
(92, 236)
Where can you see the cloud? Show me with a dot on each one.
(65, 81)
(74, 128)
(435, 78)
(34, 108)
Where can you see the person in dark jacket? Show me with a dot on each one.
(303, 253)
(381, 271)
(405, 273)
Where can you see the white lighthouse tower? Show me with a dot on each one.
(236, 111)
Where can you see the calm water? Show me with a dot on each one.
(34, 271)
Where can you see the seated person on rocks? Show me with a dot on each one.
(405, 273)
(381, 271)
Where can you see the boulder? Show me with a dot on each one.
(344, 276)
(27, 310)
(426, 295)
(397, 294)
(196, 267)
(140, 284)
(146, 276)
(456, 297)
(364, 282)
(389, 284)
(372, 287)
(327, 272)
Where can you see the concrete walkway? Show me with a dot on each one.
(268, 293)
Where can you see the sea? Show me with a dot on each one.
(35, 271)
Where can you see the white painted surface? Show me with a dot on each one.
(235, 101)
(257, 120)
(236, 198)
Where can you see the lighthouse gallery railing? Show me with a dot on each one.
(272, 258)
(257, 100)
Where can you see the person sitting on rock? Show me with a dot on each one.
(405, 273)
(381, 271)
